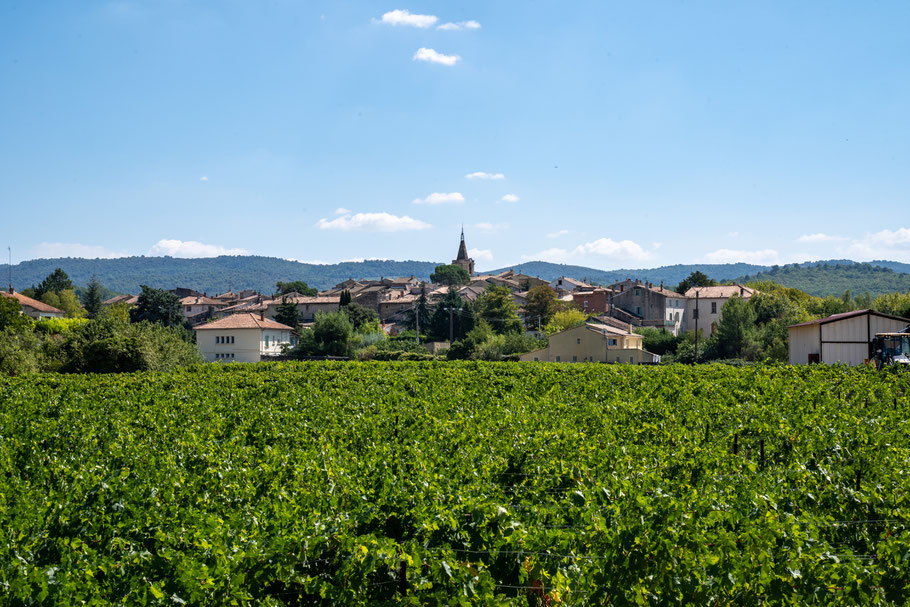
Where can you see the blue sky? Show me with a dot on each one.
(608, 134)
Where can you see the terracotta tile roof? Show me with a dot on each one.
(32, 303)
(304, 299)
(243, 320)
(200, 301)
(128, 299)
(721, 291)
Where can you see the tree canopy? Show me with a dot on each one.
(157, 306)
(695, 279)
(56, 282)
(450, 275)
(495, 307)
(295, 286)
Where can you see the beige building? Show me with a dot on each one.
(307, 307)
(593, 342)
(841, 338)
(32, 307)
(711, 301)
(242, 337)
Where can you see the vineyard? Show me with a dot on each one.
(456, 483)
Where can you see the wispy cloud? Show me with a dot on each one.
(819, 237)
(459, 25)
(509, 198)
(481, 254)
(440, 198)
(191, 248)
(602, 249)
(404, 17)
(557, 233)
(203, 178)
(372, 222)
(431, 56)
(886, 244)
(72, 249)
(342, 211)
(483, 175)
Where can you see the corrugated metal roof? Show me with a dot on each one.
(846, 315)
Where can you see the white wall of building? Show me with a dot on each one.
(240, 345)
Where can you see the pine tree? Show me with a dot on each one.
(91, 298)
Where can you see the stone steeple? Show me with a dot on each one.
(462, 258)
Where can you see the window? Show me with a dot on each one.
(631, 359)
(713, 307)
(637, 310)
(266, 341)
(637, 291)
(232, 339)
(557, 359)
(578, 341)
(612, 342)
(574, 359)
(677, 317)
(189, 308)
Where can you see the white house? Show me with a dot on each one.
(840, 338)
(242, 337)
(710, 302)
(33, 307)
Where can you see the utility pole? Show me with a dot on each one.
(417, 320)
(696, 326)
(451, 312)
(9, 265)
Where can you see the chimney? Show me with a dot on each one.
(261, 314)
(742, 291)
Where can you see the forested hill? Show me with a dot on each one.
(833, 278)
(211, 275)
(219, 274)
(668, 275)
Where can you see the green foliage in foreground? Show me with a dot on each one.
(478, 483)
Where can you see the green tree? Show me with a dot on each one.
(420, 311)
(55, 282)
(295, 286)
(91, 298)
(360, 316)
(695, 279)
(658, 341)
(496, 308)
(541, 304)
(20, 350)
(345, 298)
(734, 334)
(65, 301)
(462, 317)
(157, 306)
(565, 319)
(331, 335)
(450, 275)
(287, 314)
(11, 315)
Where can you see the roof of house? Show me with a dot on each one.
(305, 299)
(25, 300)
(659, 289)
(200, 301)
(130, 299)
(243, 320)
(846, 315)
(721, 291)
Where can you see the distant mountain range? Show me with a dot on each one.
(219, 274)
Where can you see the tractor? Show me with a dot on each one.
(892, 349)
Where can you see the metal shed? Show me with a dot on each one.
(840, 338)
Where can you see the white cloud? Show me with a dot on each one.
(481, 254)
(191, 248)
(816, 238)
(342, 211)
(428, 54)
(557, 233)
(509, 198)
(404, 17)
(893, 245)
(482, 175)
(761, 257)
(460, 25)
(440, 198)
(598, 250)
(49, 250)
(486, 226)
(372, 222)
(203, 178)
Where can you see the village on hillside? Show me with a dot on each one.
(561, 320)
